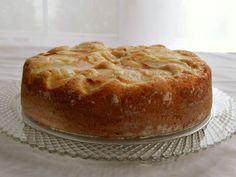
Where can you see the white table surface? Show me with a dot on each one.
(22, 161)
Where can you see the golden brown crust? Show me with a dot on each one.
(145, 91)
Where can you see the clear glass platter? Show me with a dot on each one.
(219, 126)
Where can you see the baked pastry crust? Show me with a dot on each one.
(125, 92)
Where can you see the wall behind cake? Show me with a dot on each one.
(203, 25)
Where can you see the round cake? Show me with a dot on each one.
(124, 92)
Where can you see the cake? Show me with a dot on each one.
(125, 92)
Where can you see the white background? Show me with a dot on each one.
(202, 25)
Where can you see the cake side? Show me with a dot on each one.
(117, 106)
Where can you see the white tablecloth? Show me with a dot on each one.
(20, 160)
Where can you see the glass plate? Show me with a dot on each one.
(218, 127)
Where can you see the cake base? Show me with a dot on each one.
(96, 139)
